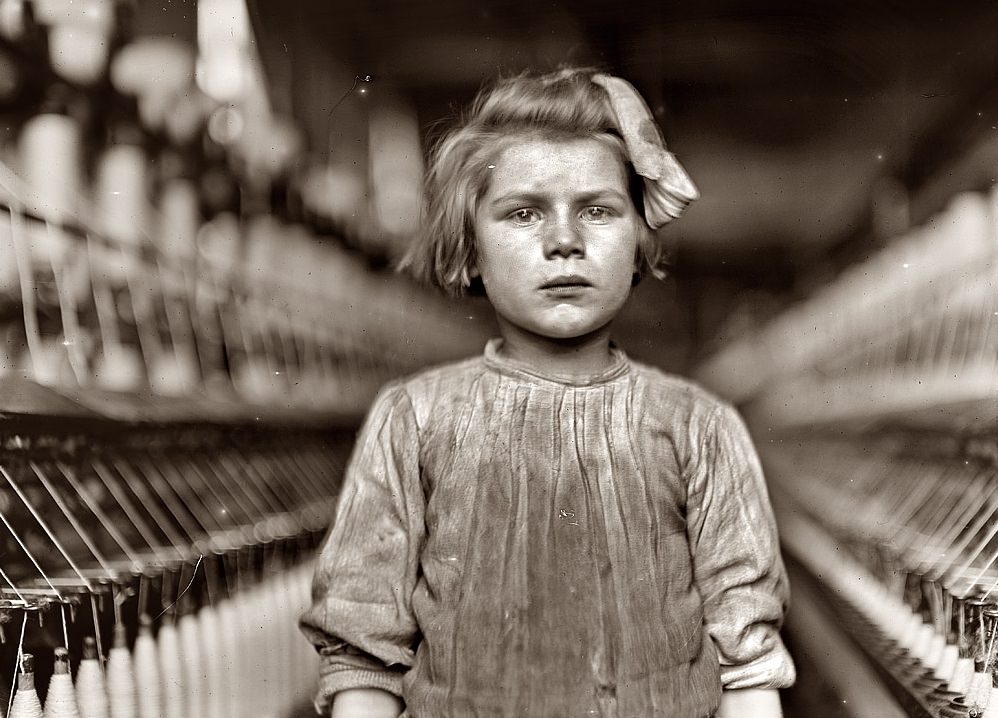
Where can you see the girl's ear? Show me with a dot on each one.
(639, 257)
(469, 274)
(638, 252)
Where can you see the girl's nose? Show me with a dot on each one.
(564, 239)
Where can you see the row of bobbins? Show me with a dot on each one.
(242, 655)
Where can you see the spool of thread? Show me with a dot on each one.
(279, 664)
(298, 583)
(992, 709)
(120, 202)
(980, 690)
(148, 688)
(60, 702)
(171, 670)
(49, 149)
(228, 638)
(174, 373)
(50, 156)
(934, 651)
(120, 367)
(220, 243)
(179, 220)
(244, 658)
(194, 672)
(242, 652)
(49, 364)
(91, 689)
(266, 691)
(120, 192)
(78, 39)
(962, 676)
(947, 663)
(121, 677)
(214, 668)
(26, 703)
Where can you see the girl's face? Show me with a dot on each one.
(557, 236)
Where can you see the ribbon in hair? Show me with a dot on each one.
(668, 188)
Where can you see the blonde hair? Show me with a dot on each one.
(565, 104)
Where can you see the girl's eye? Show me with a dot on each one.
(524, 216)
(596, 214)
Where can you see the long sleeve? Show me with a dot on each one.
(736, 556)
(361, 619)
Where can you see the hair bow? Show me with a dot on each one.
(668, 189)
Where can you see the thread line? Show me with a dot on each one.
(28, 553)
(48, 532)
(186, 588)
(18, 663)
(97, 637)
(13, 587)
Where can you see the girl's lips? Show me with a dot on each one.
(565, 290)
(571, 281)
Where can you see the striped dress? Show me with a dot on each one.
(510, 543)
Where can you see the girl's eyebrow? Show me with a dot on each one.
(601, 193)
(539, 197)
(520, 197)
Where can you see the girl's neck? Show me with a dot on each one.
(576, 357)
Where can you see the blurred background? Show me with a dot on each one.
(200, 206)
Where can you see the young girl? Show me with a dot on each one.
(550, 529)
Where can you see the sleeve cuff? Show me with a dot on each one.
(334, 680)
(774, 669)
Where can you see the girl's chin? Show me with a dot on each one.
(566, 332)
(562, 323)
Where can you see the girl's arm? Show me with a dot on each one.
(750, 703)
(365, 703)
(737, 565)
(361, 620)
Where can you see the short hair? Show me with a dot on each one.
(565, 104)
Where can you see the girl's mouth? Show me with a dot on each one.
(566, 283)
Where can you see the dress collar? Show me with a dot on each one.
(619, 366)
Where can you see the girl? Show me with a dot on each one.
(550, 529)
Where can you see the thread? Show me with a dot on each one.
(91, 689)
(171, 670)
(121, 677)
(147, 677)
(26, 703)
(60, 702)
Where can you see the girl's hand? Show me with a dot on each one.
(365, 703)
(750, 703)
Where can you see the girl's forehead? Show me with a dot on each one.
(536, 159)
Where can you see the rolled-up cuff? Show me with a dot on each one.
(336, 678)
(774, 669)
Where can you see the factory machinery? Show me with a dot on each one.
(874, 404)
(175, 412)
